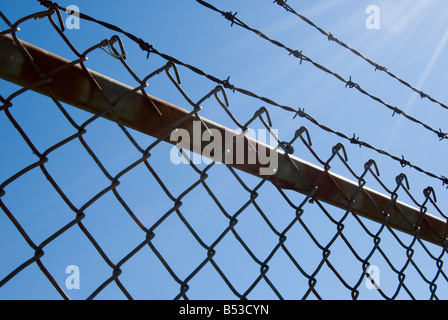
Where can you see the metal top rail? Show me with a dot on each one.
(66, 81)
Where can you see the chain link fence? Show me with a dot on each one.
(93, 192)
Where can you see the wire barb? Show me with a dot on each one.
(230, 16)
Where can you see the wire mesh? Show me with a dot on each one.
(96, 194)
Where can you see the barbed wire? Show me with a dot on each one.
(299, 55)
(149, 48)
(298, 207)
(331, 37)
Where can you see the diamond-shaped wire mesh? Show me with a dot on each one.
(81, 190)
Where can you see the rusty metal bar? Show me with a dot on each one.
(71, 85)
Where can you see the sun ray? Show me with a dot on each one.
(423, 78)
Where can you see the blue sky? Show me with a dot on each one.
(411, 43)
